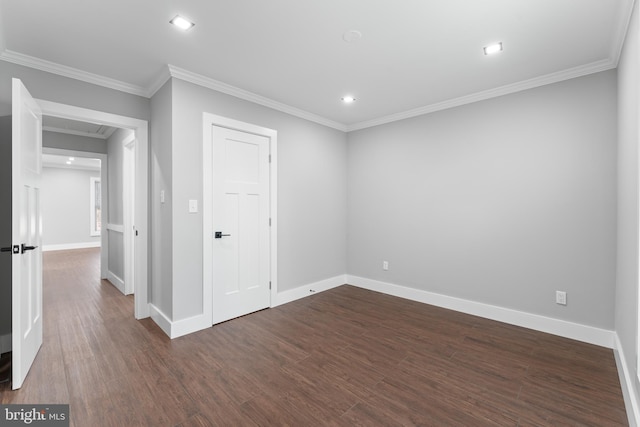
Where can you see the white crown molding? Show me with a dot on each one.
(70, 72)
(621, 30)
(219, 86)
(571, 73)
(159, 81)
(200, 80)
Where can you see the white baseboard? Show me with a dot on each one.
(116, 281)
(5, 343)
(627, 379)
(160, 318)
(308, 290)
(588, 334)
(67, 246)
(175, 329)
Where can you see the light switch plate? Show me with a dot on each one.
(193, 206)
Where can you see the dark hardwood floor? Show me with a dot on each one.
(345, 357)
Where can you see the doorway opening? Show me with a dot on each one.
(75, 201)
(135, 177)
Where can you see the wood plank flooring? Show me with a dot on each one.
(345, 357)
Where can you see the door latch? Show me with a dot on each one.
(219, 235)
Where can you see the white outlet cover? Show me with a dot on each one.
(193, 206)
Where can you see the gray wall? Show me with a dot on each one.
(115, 216)
(626, 319)
(73, 142)
(161, 292)
(65, 206)
(312, 162)
(5, 224)
(502, 202)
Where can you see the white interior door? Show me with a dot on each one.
(26, 232)
(240, 223)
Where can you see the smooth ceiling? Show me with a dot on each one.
(414, 56)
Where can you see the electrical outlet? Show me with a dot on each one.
(385, 265)
(561, 297)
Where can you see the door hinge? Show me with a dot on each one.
(269, 285)
(269, 158)
(269, 222)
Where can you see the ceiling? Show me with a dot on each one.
(414, 56)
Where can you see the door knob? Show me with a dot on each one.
(219, 235)
(24, 248)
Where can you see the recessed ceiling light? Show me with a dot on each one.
(71, 159)
(182, 23)
(68, 163)
(348, 99)
(493, 48)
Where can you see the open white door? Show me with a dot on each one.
(26, 235)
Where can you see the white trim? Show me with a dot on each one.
(631, 398)
(117, 228)
(141, 129)
(93, 231)
(70, 246)
(161, 319)
(219, 86)
(588, 334)
(309, 290)
(637, 236)
(208, 121)
(116, 281)
(5, 343)
(568, 74)
(181, 327)
(190, 325)
(159, 81)
(621, 30)
(73, 73)
(200, 80)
